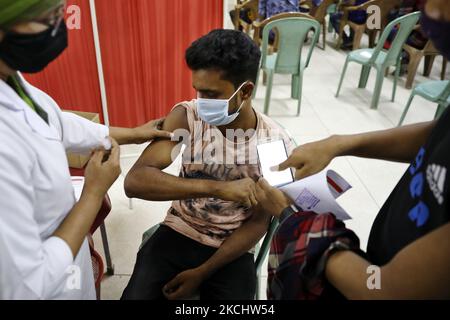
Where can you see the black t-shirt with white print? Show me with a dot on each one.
(419, 203)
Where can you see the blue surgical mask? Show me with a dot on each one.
(215, 111)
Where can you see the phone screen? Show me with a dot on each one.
(272, 154)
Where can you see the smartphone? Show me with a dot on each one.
(271, 154)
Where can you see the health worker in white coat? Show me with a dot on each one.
(42, 227)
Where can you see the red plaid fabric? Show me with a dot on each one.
(299, 252)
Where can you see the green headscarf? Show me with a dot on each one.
(14, 11)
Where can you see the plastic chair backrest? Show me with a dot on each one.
(260, 25)
(332, 8)
(405, 24)
(351, 7)
(291, 34)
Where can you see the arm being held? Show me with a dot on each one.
(270, 202)
(147, 181)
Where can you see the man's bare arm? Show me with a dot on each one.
(243, 239)
(398, 144)
(147, 181)
(240, 242)
(419, 271)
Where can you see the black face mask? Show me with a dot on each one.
(438, 32)
(31, 53)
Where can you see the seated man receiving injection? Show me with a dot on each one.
(204, 244)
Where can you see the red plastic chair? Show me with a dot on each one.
(98, 267)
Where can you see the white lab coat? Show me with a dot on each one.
(36, 194)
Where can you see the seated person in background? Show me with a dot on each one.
(245, 15)
(204, 242)
(269, 8)
(358, 16)
(416, 39)
(304, 6)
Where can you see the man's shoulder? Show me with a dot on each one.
(179, 116)
(184, 105)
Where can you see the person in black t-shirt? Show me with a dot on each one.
(409, 243)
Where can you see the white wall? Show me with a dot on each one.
(228, 5)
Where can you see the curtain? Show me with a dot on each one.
(143, 44)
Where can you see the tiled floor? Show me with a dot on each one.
(322, 115)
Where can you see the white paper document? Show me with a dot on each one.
(318, 193)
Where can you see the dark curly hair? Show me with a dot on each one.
(230, 51)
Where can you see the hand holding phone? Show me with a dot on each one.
(271, 154)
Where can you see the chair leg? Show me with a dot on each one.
(268, 92)
(440, 110)
(294, 86)
(372, 38)
(109, 264)
(429, 61)
(98, 292)
(414, 61)
(258, 287)
(357, 38)
(377, 91)
(324, 30)
(411, 97)
(365, 72)
(340, 36)
(396, 76)
(444, 67)
(342, 77)
(264, 78)
(300, 87)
